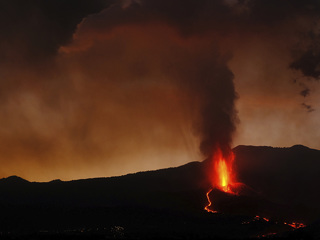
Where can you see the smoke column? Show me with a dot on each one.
(210, 82)
(192, 57)
(101, 88)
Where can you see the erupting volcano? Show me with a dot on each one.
(222, 177)
(221, 174)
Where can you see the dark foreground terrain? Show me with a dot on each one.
(281, 187)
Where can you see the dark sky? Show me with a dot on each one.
(94, 88)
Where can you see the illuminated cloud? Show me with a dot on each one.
(100, 88)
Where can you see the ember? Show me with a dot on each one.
(295, 225)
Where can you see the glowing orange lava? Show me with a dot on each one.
(209, 205)
(222, 176)
(296, 225)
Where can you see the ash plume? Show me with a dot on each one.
(82, 80)
(224, 23)
(209, 82)
(195, 62)
(212, 82)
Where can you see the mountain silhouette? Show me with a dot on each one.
(284, 175)
(283, 185)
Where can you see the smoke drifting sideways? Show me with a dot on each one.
(204, 37)
(100, 88)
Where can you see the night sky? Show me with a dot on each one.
(98, 88)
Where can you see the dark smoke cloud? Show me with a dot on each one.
(308, 64)
(194, 65)
(191, 17)
(217, 20)
(208, 79)
(31, 34)
(34, 91)
(82, 80)
(305, 92)
(34, 30)
(204, 74)
(307, 107)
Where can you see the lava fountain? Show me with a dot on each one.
(221, 175)
(224, 178)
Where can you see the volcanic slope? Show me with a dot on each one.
(168, 203)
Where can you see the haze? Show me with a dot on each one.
(97, 88)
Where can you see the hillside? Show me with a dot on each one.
(167, 202)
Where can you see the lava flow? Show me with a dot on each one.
(209, 205)
(222, 176)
